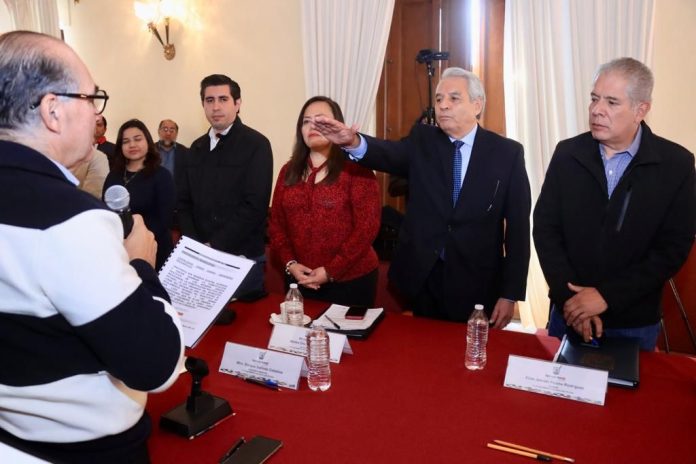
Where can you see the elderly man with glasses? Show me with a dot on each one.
(169, 149)
(86, 328)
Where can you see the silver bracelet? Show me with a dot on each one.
(287, 266)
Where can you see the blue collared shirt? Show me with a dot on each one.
(615, 166)
(167, 155)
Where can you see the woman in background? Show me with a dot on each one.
(325, 216)
(136, 166)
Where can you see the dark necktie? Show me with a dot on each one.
(456, 171)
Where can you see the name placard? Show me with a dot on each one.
(554, 379)
(249, 361)
(293, 339)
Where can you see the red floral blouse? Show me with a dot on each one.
(331, 225)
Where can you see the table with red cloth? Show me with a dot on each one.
(405, 396)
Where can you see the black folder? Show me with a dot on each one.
(618, 356)
(360, 333)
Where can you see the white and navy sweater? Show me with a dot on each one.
(83, 332)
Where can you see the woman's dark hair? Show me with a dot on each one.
(152, 158)
(298, 160)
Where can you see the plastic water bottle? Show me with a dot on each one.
(294, 306)
(476, 339)
(319, 375)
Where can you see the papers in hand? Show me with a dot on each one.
(337, 319)
(200, 281)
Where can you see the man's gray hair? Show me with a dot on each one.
(640, 78)
(28, 71)
(474, 84)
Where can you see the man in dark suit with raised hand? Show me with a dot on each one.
(465, 237)
(615, 217)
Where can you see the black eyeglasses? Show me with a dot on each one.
(99, 99)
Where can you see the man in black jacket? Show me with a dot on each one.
(224, 182)
(100, 142)
(615, 217)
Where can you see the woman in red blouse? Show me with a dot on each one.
(325, 216)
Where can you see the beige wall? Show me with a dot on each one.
(674, 66)
(258, 44)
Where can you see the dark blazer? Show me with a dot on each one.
(626, 246)
(485, 237)
(180, 151)
(223, 195)
(108, 149)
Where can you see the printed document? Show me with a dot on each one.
(200, 281)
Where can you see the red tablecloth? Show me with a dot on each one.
(405, 396)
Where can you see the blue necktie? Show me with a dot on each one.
(457, 171)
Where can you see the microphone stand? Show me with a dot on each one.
(429, 113)
(201, 411)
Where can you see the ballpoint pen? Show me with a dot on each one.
(210, 427)
(532, 450)
(231, 451)
(537, 456)
(264, 383)
(332, 321)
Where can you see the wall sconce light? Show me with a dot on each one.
(151, 13)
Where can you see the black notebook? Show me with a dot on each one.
(334, 320)
(619, 356)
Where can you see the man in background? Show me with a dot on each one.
(224, 182)
(616, 215)
(85, 325)
(100, 142)
(169, 149)
(465, 237)
(91, 173)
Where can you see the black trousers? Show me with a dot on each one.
(430, 301)
(360, 291)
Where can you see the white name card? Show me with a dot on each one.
(293, 339)
(249, 361)
(554, 379)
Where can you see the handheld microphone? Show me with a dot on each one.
(117, 199)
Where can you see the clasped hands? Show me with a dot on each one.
(310, 278)
(582, 310)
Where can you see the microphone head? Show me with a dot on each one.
(196, 366)
(117, 198)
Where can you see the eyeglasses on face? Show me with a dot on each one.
(98, 99)
(168, 130)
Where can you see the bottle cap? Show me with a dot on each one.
(295, 286)
(478, 306)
